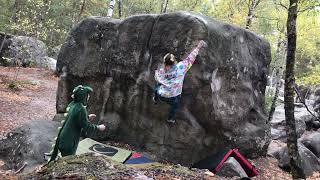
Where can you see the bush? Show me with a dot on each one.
(312, 78)
(14, 85)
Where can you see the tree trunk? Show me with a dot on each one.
(110, 10)
(252, 7)
(275, 97)
(164, 6)
(120, 8)
(16, 11)
(278, 75)
(74, 12)
(83, 5)
(41, 17)
(2, 43)
(295, 160)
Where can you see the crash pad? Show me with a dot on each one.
(89, 145)
(141, 161)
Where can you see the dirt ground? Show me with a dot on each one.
(32, 97)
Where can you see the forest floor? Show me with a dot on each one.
(33, 95)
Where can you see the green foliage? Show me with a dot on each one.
(14, 85)
(312, 78)
(51, 20)
(268, 101)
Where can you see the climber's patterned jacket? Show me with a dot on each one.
(76, 121)
(172, 80)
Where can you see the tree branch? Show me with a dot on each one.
(281, 5)
(262, 17)
(309, 8)
(301, 100)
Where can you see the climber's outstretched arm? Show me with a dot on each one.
(189, 60)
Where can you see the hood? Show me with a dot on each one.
(80, 94)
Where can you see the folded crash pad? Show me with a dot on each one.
(117, 154)
(215, 161)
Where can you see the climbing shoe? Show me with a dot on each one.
(154, 100)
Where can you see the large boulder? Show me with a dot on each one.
(223, 93)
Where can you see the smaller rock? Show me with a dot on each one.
(312, 142)
(278, 133)
(27, 144)
(274, 148)
(231, 168)
(209, 173)
(310, 162)
(316, 124)
(300, 105)
(35, 82)
(317, 92)
(47, 62)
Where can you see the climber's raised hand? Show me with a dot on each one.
(202, 44)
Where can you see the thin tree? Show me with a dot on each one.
(252, 5)
(164, 6)
(120, 8)
(295, 160)
(17, 6)
(111, 7)
(278, 73)
(3, 41)
(82, 8)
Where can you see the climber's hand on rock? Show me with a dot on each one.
(92, 117)
(101, 127)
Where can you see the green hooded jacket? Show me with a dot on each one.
(76, 121)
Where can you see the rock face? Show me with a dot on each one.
(223, 93)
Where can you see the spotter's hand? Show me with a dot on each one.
(92, 117)
(101, 127)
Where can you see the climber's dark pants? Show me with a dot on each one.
(172, 101)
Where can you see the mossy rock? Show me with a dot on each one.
(86, 166)
(94, 167)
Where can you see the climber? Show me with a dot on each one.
(76, 121)
(169, 78)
